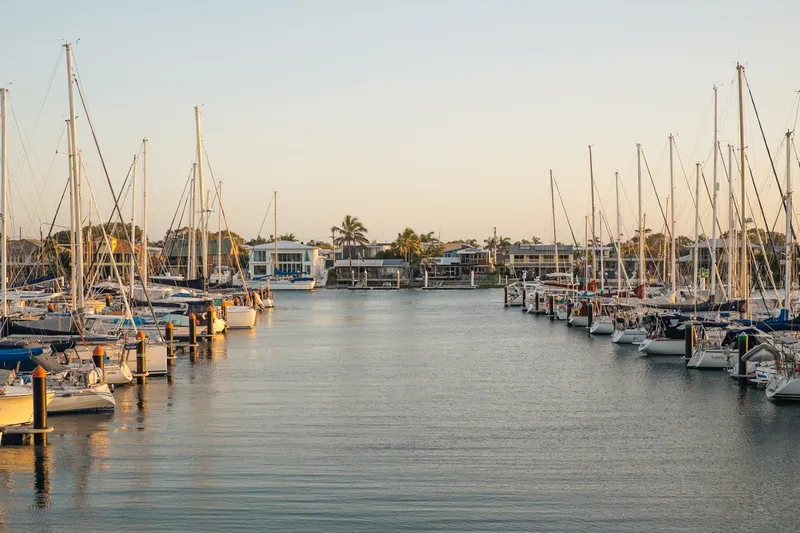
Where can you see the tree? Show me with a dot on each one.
(408, 245)
(320, 244)
(536, 240)
(257, 240)
(429, 237)
(351, 233)
(287, 237)
(472, 242)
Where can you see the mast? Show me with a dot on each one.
(275, 238)
(696, 229)
(641, 219)
(133, 222)
(672, 220)
(594, 234)
(191, 253)
(219, 234)
(586, 253)
(145, 251)
(553, 208)
(731, 224)
(73, 271)
(4, 184)
(602, 267)
(745, 291)
(789, 243)
(201, 188)
(714, 189)
(619, 237)
(665, 246)
(77, 234)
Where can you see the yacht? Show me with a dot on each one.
(16, 401)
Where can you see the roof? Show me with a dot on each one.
(362, 263)
(284, 245)
(455, 245)
(472, 251)
(540, 248)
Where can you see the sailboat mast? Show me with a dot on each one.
(4, 179)
(715, 188)
(275, 229)
(191, 253)
(594, 234)
(586, 253)
(731, 224)
(219, 233)
(672, 250)
(665, 245)
(145, 252)
(201, 189)
(73, 278)
(77, 234)
(602, 266)
(696, 229)
(743, 275)
(619, 236)
(133, 223)
(553, 208)
(641, 226)
(789, 244)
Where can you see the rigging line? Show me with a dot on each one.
(180, 221)
(234, 249)
(653, 183)
(766, 145)
(24, 157)
(47, 92)
(764, 217)
(266, 214)
(564, 208)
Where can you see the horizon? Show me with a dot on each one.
(441, 116)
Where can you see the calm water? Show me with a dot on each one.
(415, 411)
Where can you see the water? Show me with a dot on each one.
(415, 411)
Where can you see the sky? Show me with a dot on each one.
(440, 115)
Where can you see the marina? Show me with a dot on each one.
(529, 425)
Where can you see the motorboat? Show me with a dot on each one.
(79, 390)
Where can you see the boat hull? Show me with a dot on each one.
(156, 357)
(628, 336)
(662, 347)
(782, 387)
(602, 328)
(712, 358)
(75, 400)
(16, 406)
(240, 317)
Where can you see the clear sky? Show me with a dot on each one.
(442, 115)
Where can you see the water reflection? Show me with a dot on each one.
(41, 478)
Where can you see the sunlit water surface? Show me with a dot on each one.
(415, 411)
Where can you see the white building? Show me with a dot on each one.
(293, 258)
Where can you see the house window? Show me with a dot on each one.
(259, 270)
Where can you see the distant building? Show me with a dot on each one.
(375, 271)
(539, 259)
(293, 258)
(121, 251)
(26, 262)
(458, 263)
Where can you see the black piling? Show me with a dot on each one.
(99, 358)
(170, 332)
(688, 346)
(741, 366)
(552, 301)
(39, 377)
(141, 359)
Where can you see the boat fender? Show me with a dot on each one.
(578, 306)
(203, 317)
(576, 312)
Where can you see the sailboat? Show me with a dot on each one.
(16, 401)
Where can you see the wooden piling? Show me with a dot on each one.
(211, 317)
(170, 332)
(141, 359)
(741, 366)
(99, 358)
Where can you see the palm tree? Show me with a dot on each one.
(351, 233)
(491, 245)
(408, 243)
(287, 237)
(429, 237)
(536, 240)
(472, 242)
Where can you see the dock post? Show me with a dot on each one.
(688, 347)
(39, 377)
(141, 359)
(472, 278)
(211, 317)
(741, 366)
(524, 295)
(236, 300)
(552, 300)
(99, 358)
(193, 332)
(536, 304)
(505, 295)
(426, 279)
(108, 300)
(398, 280)
(170, 329)
(589, 315)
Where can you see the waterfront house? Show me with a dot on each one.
(293, 258)
(376, 271)
(539, 259)
(459, 262)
